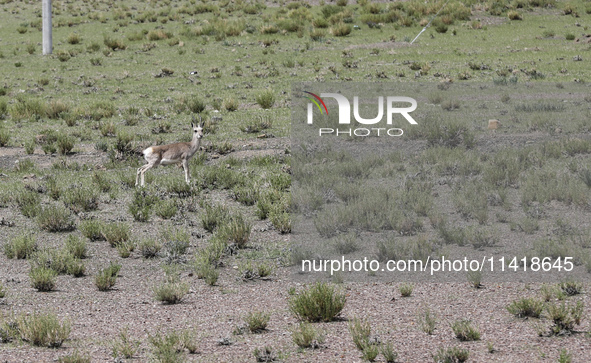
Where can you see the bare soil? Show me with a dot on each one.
(97, 317)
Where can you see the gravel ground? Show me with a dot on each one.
(215, 312)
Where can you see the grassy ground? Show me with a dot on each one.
(119, 80)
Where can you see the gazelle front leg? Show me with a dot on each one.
(185, 163)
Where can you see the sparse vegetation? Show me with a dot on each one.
(92, 229)
(115, 233)
(55, 219)
(564, 317)
(266, 99)
(76, 247)
(21, 247)
(74, 123)
(571, 288)
(306, 336)
(451, 355)
(43, 278)
(360, 333)
(171, 292)
(166, 347)
(464, 330)
(43, 329)
(107, 277)
(405, 290)
(319, 302)
(150, 248)
(257, 321)
(427, 320)
(526, 307)
(75, 357)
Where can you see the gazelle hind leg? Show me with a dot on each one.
(143, 171)
(137, 176)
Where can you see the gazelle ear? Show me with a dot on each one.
(192, 125)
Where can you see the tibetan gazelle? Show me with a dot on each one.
(179, 152)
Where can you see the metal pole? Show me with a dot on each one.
(428, 24)
(47, 36)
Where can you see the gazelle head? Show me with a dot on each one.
(197, 128)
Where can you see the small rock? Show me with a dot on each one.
(493, 124)
(225, 341)
(7, 223)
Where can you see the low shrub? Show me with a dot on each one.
(265, 99)
(75, 357)
(320, 302)
(405, 290)
(4, 136)
(451, 355)
(21, 247)
(306, 336)
(81, 199)
(464, 331)
(141, 205)
(125, 248)
(427, 320)
(166, 348)
(571, 288)
(257, 321)
(526, 307)
(514, 15)
(107, 277)
(115, 233)
(214, 217)
(166, 209)
(341, 30)
(230, 104)
(360, 333)
(42, 278)
(237, 231)
(150, 248)
(564, 317)
(92, 229)
(124, 346)
(43, 330)
(388, 352)
(29, 202)
(171, 292)
(56, 219)
(65, 144)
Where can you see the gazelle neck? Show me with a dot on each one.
(195, 142)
